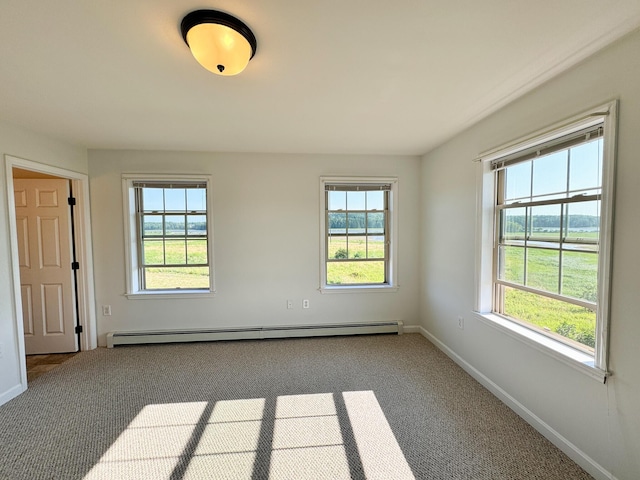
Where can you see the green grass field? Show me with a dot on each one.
(351, 273)
(579, 280)
(176, 251)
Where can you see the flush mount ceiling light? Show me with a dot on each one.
(219, 42)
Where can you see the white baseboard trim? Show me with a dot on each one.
(572, 451)
(411, 329)
(13, 392)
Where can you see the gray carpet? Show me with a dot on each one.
(374, 407)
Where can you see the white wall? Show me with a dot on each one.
(266, 241)
(601, 421)
(21, 143)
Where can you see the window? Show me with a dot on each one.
(551, 222)
(357, 233)
(169, 235)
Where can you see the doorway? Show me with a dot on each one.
(53, 314)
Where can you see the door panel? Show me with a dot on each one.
(47, 197)
(46, 278)
(49, 242)
(24, 259)
(52, 309)
(20, 197)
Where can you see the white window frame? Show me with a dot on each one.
(133, 287)
(595, 365)
(392, 236)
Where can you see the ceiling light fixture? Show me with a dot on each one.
(219, 42)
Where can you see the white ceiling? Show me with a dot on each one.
(329, 76)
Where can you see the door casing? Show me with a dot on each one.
(84, 253)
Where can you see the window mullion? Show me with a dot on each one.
(560, 256)
(555, 201)
(346, 233)
(525, 257)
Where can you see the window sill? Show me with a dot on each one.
(576, 359)
(358, 289)
(170, 294)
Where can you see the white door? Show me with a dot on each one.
(46, 278)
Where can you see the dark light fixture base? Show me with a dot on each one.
(198, 17)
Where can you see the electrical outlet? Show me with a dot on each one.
(461, 323)
(305, 303)
(106, 310)
(289, 304)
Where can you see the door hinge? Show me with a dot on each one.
(75, 265)
(79, 329)
(72, 201)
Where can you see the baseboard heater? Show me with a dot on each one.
(254, 333)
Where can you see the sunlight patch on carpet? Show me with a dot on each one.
(177, 440)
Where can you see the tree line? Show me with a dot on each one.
(517, 223)
(357, 220)
(175, 226)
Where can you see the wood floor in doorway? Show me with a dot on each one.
(39, 364)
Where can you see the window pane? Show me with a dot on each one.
(583, 225)
(175, 225)
(375, 246)
(513, 224)
(175, 199)
(585, 169)
(153, 252)
(545, 224)
(151, 225)
(357, 247)
(337, 200)
(518, 181)
(355, 222)
(152, 200)
(355, 200)
(176, 277)
(375, 222)
(197, 199)
(580, 275)
(337, 247)
(375, 200)
(175, 252)
(543, 269)
(337, 222)
(550, 173)
(196, 224)
(350, 273)
(567, 321)
(197, 251)
(511, 264)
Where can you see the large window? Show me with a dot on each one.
(551, 217)
(168, 235)
(357, 241)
